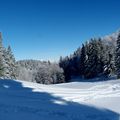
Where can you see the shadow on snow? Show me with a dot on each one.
(21, 103)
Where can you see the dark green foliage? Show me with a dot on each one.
(65, 64)
(82, 61)
(92, 60)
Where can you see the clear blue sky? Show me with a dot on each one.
(47, 29)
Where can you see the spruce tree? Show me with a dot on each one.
(117, 57)
(9, 64)
(92, 61)
(1, 57)
(82, 60)
(12, 63)
(101, 57)
(1, 66)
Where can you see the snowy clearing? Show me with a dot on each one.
(67, 101)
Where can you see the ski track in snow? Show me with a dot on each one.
(68, 101)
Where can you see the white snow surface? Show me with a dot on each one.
(21, 100)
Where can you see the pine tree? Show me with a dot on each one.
(91, 66)
(117, 57)
(82, 60)
(65, 63)
(101, 57)
(1, 57)
(12, 63)
(1, 66)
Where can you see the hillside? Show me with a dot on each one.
(67, 101)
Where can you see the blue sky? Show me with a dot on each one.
(47, 29)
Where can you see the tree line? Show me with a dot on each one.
(30, 70)
(43, 72)
(96, 58)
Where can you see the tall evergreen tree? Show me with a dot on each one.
(12, 63)
(9, 64)
(1, 57)
(91, 66)
(65, 63)
(117, 57)
(82, 60)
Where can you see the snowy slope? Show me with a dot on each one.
(20, 100)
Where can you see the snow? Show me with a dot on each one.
(21, 100)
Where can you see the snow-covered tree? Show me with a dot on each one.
(117, 56)
(82, 60)
(40, 72)
(1, 57)
(95, 61)
(10, 64)
(7, 62)
(92, 60)
(49, 74)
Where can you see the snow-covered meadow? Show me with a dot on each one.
(20, 100)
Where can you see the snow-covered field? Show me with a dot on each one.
(20, 100)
